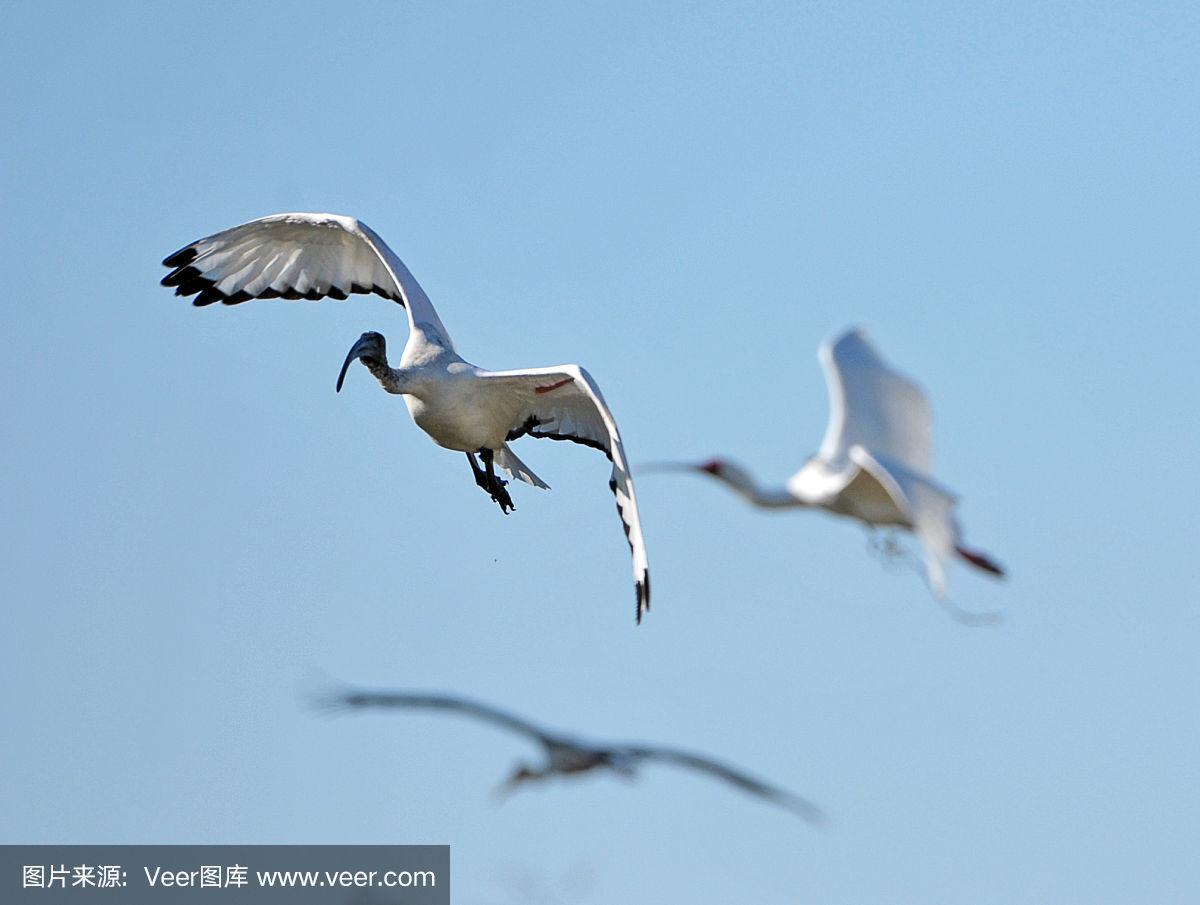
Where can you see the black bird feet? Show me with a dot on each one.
(488, 481)
(500, 496)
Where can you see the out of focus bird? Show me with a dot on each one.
(875, 464)
(566, 756)
(460, 406)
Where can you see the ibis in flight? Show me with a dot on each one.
(459, 405)
(874, 464)
(564, 756)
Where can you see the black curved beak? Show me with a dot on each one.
(367, 345)
(346, 366)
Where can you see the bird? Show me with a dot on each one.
(874, 464)
(565, 756)
(460, 406)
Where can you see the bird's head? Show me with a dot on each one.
(727, 472)
(371, 348)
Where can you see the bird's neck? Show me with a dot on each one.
(773, 498)
(395, 380)
(425, 350)
(766, 497)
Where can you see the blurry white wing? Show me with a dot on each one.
(929, 507)
(818, 483)
(871, 405)
(564, 403)
(297, 256)
(849, 490)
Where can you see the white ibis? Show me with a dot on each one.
(874, 463)
(460, 406)
(566, 756)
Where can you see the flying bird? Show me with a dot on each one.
(874, 464)
(459, 405)
(566, 756)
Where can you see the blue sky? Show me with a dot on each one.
(685, 200)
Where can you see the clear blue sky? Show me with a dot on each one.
(686, 201)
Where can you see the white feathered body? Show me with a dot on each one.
(449, 402)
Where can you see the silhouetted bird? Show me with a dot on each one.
(566, 756)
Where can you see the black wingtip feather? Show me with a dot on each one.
(179, 275)
(642, 593)
(184, 256)
(193, 285)
(188, 280)
(209, 296)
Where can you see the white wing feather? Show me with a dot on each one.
(564, 403)
(295, 256)
(873, 406)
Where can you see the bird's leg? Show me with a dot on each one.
(480, 474)
(495, 486)
(487, 480)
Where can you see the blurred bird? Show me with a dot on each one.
(566, 756)
(874, 464)
(460, 406)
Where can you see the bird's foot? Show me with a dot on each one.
(486, 479)
(500, 496)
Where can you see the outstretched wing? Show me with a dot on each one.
(757, 787)
(296, 256)
(382, 700)
(564, 403)
(871, 405)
